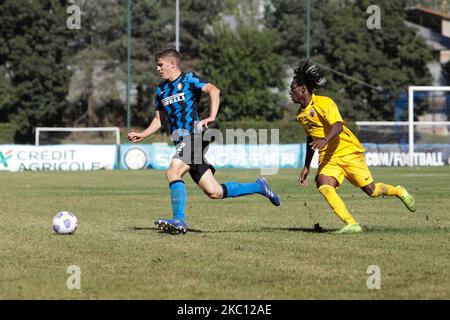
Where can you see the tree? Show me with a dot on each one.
(97, 87)
(289, 19)
(390, 58)
(33, 60)
(195, 18)
(6, 95)
(153, 30)
(100, 64)
(245, 67)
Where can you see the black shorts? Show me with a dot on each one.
(191, 150)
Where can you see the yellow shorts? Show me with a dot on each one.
(353, 167)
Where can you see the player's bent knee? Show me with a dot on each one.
(369, 189)
(172, 175)
(213, 192)
(215, 195)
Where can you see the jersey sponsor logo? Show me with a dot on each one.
(173, 99)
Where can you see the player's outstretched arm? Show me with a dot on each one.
(303, 178)
(334, 131)
(151, 129)
(214, 99)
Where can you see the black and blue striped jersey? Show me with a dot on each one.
(179, 100)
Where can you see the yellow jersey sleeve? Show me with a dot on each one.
(329, 111)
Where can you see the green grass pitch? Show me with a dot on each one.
(240, 248)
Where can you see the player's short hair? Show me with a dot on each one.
(308, 74)
(169, 53)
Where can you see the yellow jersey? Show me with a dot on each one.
(317, 118)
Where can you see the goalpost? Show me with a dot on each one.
(410, 126)
(412, 123)
(114, 130)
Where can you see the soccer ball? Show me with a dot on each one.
(65, 222)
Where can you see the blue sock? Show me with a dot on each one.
(178, 196)
(237, 189)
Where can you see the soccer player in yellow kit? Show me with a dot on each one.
(341, 155)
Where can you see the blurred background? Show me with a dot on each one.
(53, 76)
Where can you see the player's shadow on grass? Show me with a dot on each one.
(156, 229)
(189, 230)
(314, 229)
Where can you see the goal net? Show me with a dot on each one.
(65, 135)
(420, 137)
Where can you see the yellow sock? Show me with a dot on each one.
(382, 189)
(336, 203)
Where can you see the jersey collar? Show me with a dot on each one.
(311, 103)
(178, 78)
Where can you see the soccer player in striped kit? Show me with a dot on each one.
(176, 99)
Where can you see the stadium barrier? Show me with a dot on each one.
(395, 155)
(17, 157)
(157, 156)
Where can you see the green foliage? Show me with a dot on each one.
(33, 52)
(394, 58)
(244, 12)
(98, 88)
(6, 96)
(195, 17)
(289, 19)
(101, 55)
(391, 58)
(53, 76)
(6, 133)
(246, 69)
(152, 30)
(99, 64)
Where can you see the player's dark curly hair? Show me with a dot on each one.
(308, 74)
